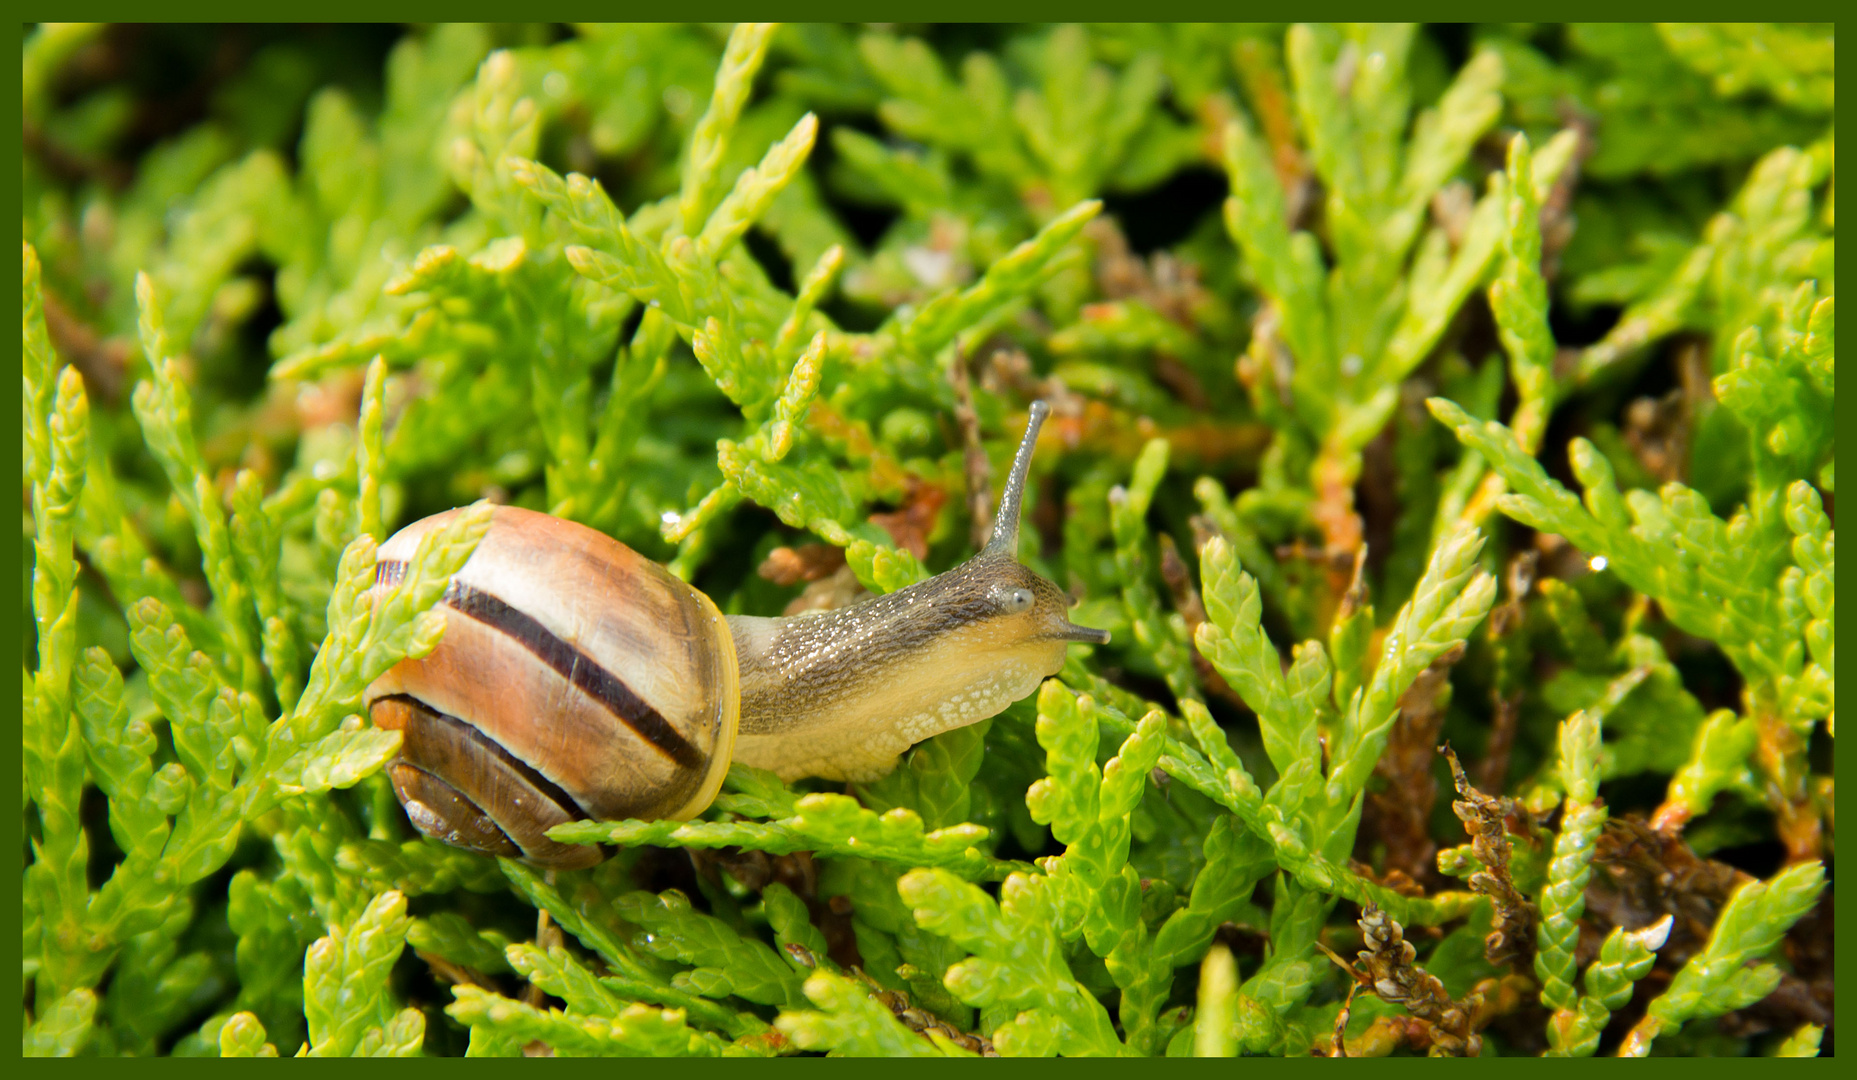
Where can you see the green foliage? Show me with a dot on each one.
(819, 823)
(1720, 978)
(1163, 637)
(851, 1022)
(1794, 64)
(1765, 242)
(1624, 957)
(1661, 88)
(345, 995)
(756, 298)
(230, 762)
(1729, 582)
(1802, 1043)
(636, 1031)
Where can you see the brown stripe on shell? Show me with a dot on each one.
(570, 663)
(445, 814)
(472, 792)
(473, 734)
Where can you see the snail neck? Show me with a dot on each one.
(839, 694)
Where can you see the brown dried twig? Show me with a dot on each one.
(1485, 819)
(1388, 967)
(829, 581)
(1557, 221)
(1164, 282)
(547, 936)
(456, 974)
(910, 524)
(1504, 720)
(1512, 655)
(808, 562)
(103, 362)
(1261, 75)
(1191, 608)
(1640, 875)
(1400, 813)
(973, 455)
(1335, 514)
(1451, 207)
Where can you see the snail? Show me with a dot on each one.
(577, 679)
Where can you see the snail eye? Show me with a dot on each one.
(1016, 600)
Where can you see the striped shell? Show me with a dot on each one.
(576, 679)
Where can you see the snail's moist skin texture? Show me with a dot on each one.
(576, 678)
(839, 694)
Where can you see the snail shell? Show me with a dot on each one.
(596, 684)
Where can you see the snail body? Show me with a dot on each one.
(577, 679)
